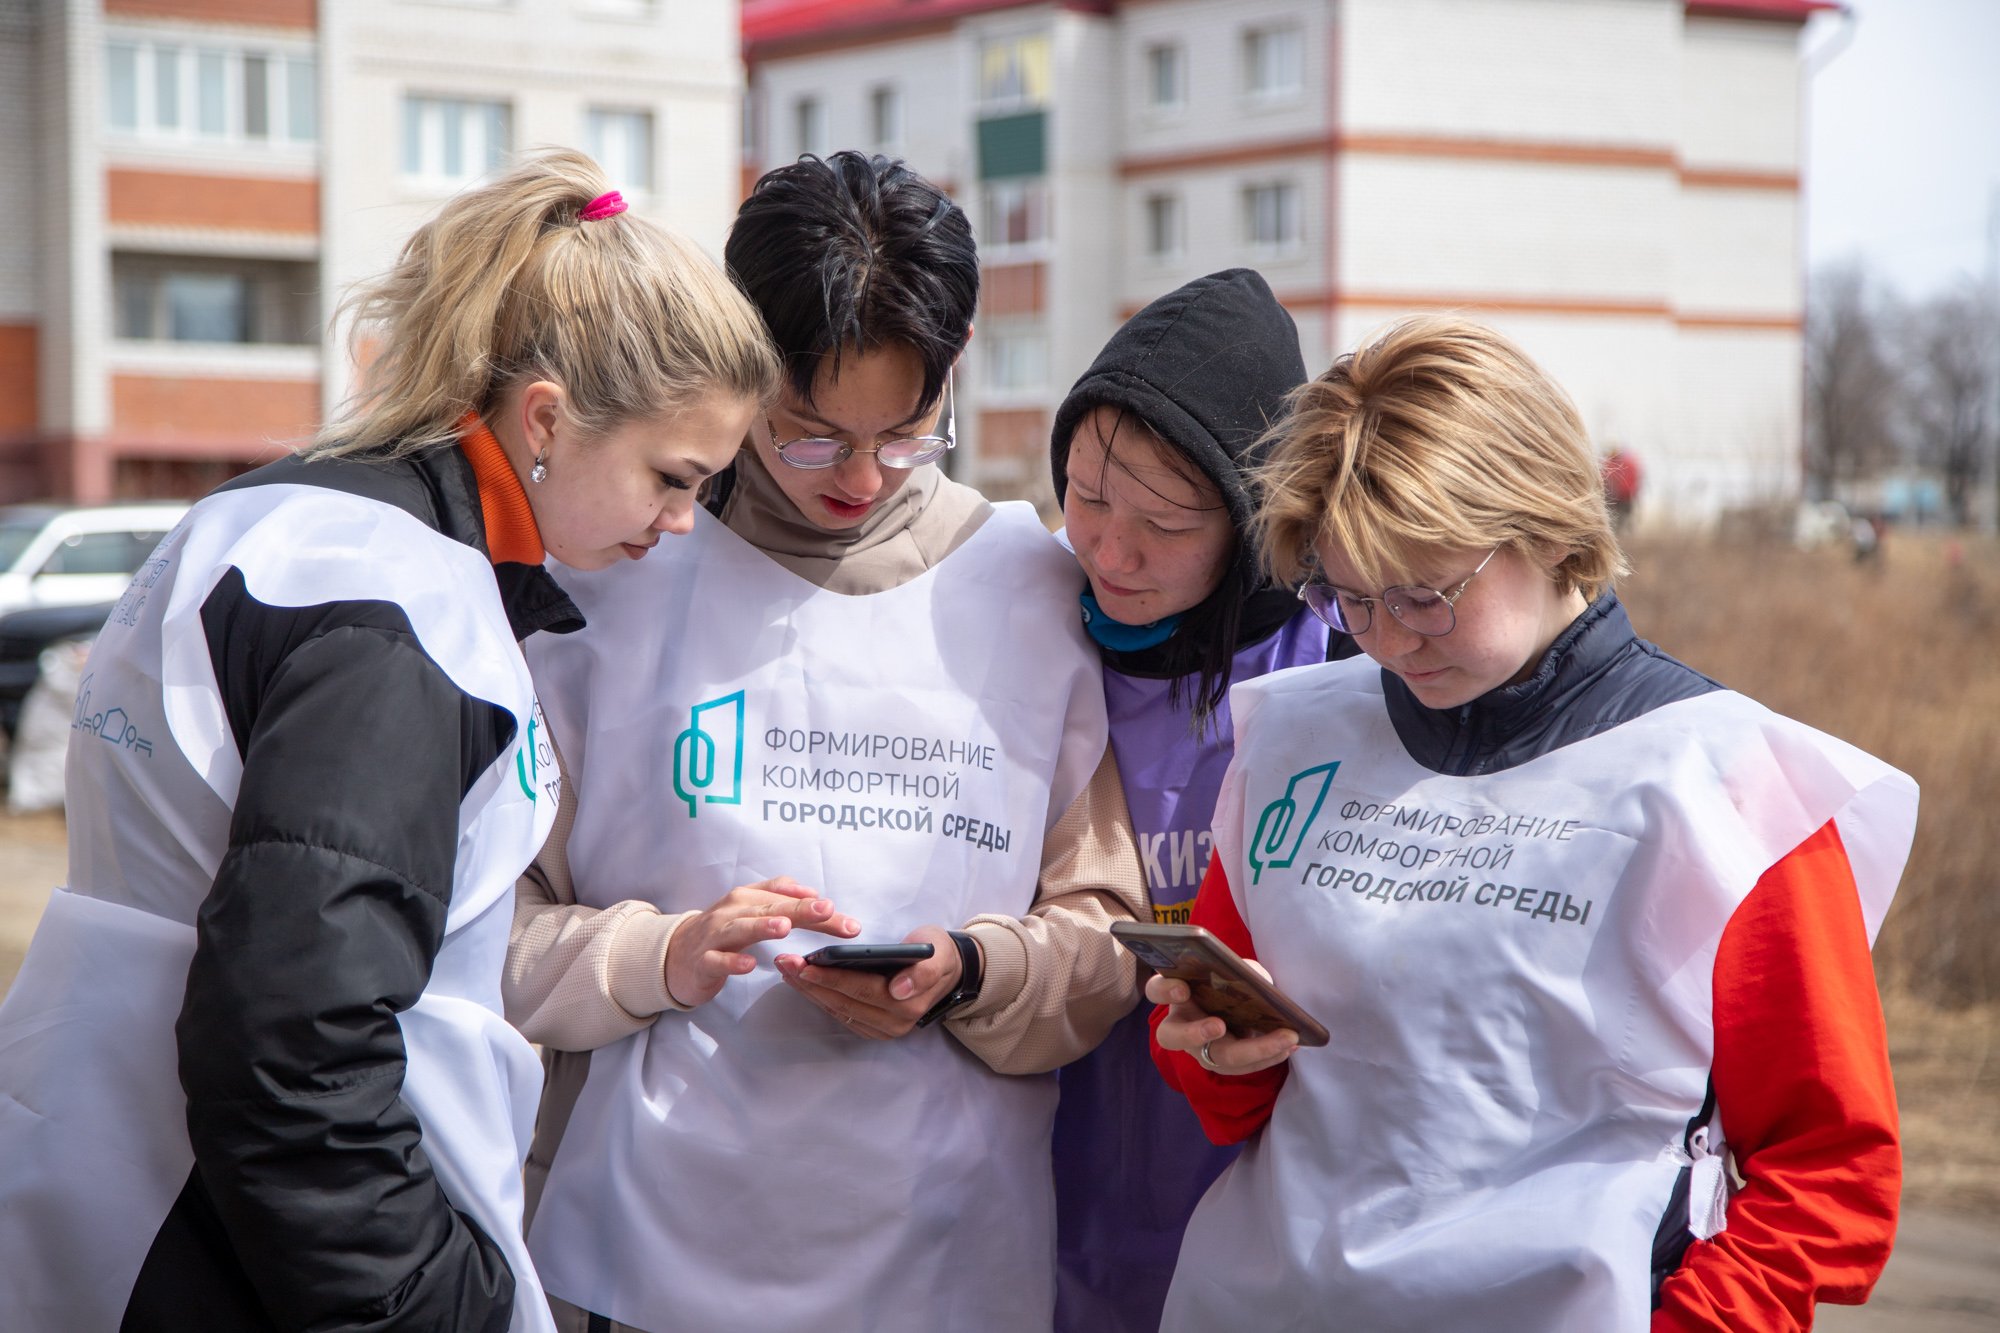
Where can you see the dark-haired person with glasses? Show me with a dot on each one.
(1590, 932)
(862, 707)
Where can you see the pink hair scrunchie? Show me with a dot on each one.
(607, 205)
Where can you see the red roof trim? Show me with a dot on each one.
(767, 24)
(1781, 11)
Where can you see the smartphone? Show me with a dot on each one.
(1223, 984)
(882, 959)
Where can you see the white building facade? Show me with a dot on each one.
(200, 181)
(1615, 183)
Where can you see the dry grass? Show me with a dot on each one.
(1902, 658)
(1947, 1065)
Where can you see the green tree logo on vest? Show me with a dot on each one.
(697, 753)
(1277, 824)
(527, 755)
(536, 754)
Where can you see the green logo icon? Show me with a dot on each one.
(1277, 823)
(528, 755)
(715, 728)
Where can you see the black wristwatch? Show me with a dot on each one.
(971, 971)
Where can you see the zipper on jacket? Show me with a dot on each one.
(1457, 760)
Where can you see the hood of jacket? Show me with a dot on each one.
(1207, 367)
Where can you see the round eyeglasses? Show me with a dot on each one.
(812, 452)
(1424, 611)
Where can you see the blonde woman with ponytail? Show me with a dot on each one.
(253, 1073)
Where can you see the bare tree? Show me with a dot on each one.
(1852, 383)
(1954, 359)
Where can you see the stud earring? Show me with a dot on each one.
(540, 471)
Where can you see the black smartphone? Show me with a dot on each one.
(1223, 984)
(882, 959)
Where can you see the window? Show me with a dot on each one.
(206, 307)
(212, 93)
(1166, 76)
(301, 101)
(1273, 62)
(1164, 236)
(1014, 72)
(163, 90)
(1271, 215)
(163, 298)
(449, 140)
(121, 75)
(256, 97)
(167, 88)
(885, 116)
(622, 143)
(1013, 214)
(809, 126)
(1016, 361)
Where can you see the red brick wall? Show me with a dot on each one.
(1013, 432)
(20, 404)
(263, 13)
(191, 409)
(180, 199)
(1012, 289)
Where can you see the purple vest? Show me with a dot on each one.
(1131, 1161)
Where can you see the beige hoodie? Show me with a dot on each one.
(1055, 981)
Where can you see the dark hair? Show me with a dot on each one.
(1201, 652)
(852, 253)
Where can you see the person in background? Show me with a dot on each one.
(254, 1070)
(1151, 455)
(1622, 475)
(890, 706)
(1590, 932)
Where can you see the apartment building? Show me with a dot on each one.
(198, 182)
(1613, 182)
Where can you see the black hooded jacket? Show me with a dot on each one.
(312, 1201)
(1209, 368)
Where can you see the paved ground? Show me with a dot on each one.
(32, 860)
(1944, 1278)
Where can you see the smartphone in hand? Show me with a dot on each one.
(882, 959)
(1222, 983)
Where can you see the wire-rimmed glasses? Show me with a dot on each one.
(812, 452)
(1425, 611)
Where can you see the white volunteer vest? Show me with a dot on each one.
(1516, 970)
(751, 1163)
(92, 1125)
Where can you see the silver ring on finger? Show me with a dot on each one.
(1204, 1059)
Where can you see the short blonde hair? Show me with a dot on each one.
(1437, 432)
(507, 285)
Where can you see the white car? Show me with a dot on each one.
(51, 555)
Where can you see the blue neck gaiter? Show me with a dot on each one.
(1120, 637)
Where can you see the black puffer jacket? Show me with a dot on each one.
(313, 1203)
(1597, 674)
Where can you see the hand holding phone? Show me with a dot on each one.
(882, 959)
(877, 991)
(1222, 983)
